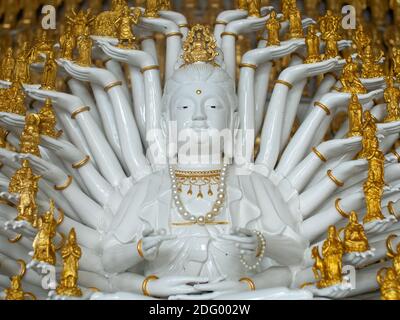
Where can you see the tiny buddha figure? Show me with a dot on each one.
(84, 45)
(67, 43)
(329, 26)
(22, 71)
(254, 7)
(396, 61)
(389, 283)
(355, 239)
(43, 45)
(48, 120)
(25, 183)
(49, 77)
(15, 291)
(151, 9)
(80, 21)
(312, 42)
(370, 141)
(355, 113)
(125, 35)
(16, 99)
(165, 5)
(71, 254)
(200, 45)
(371, 67)
(242, 4)
(361, 39)
(105, 21)
(43, 246)
(328, 268)
(373, 187)
(273, 27)
(295, 23)
(349, 79)
(285, 9)
(392, 98)
(7, 65)
(30, 137)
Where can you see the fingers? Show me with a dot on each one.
(150, 242)
(205, 296)
(185, 280)
(147, 231)
(237, 238)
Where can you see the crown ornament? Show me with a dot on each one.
(200, 46)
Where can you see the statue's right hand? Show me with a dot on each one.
(151, 242)
(174, 285)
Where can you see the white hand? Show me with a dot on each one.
(357, 258)
(334, 148)
(158, 25)
(22, 227)
(244, 239)
(334, 292)
(13, 122)
(379, 226)
(152, 241)
(174, 285)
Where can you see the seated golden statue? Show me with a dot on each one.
(15, 292)
(328, 268)
(273, 27)
(30, 137)
(349, 79)
(355, 239)
(70, 253)
(125, 35)
(25, 183)
(389, 283)
(371, 67)
(254, 7)
(67, 43)
(7, 65)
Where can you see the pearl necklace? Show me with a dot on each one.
(216, 209)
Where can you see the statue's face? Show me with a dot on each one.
(202, 109)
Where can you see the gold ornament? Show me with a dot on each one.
(273, 27)
(71, 253)
(15, 99)
(44, 249)
(152, 8)
(200, 46)
(7, 65)
(361, 39)
(43, 46)
(85, 44)
(50, 73)
(355, 113)
(355, 239)
(30, 137)
(328, 268)
(67, 43)
(389, 283)
(254, 7)
(22, 71)
(165, 5)
(350, 80)
(80, 21)
(285, 7)
(312, 43)
(125, 35)
(199, 179)
(15, 291)
(370, 141)
(295, 22)
(371, 67)
(392, 98)
(396, 62)
(25, 183)
(105, 22)
(329, 26)
(48, 120)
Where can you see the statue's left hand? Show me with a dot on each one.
(245, 240)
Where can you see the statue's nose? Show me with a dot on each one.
(199, 115)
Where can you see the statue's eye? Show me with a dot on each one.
(185, 107)
(213, 107)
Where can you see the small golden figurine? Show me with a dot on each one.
(350, 80)
(125, 35)
(7, 65)
(16, 99)
(329, 26)
(373, 187)
(273, 27)
(48, 120)
(396, 62)
(85, 44)
(71, 254)
(80, 21)
(355, 239)
(371, 67)
(361, 39)
(30, 137)
(22, 71)
(44, 249)
(151, 9)
(43, 46)
(355, 113)
(105, 22)
(165, 5)
(242, 5)
(312, 43)
(15, 291)
(370, 141)
(392, 99)
(285, 8)
(389, 283)
(200, 45)
(254, 7)
(295, 22)
(49, 77)
(67, 43)
(328, 268)
(25, 183)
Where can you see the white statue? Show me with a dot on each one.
(161, 208)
